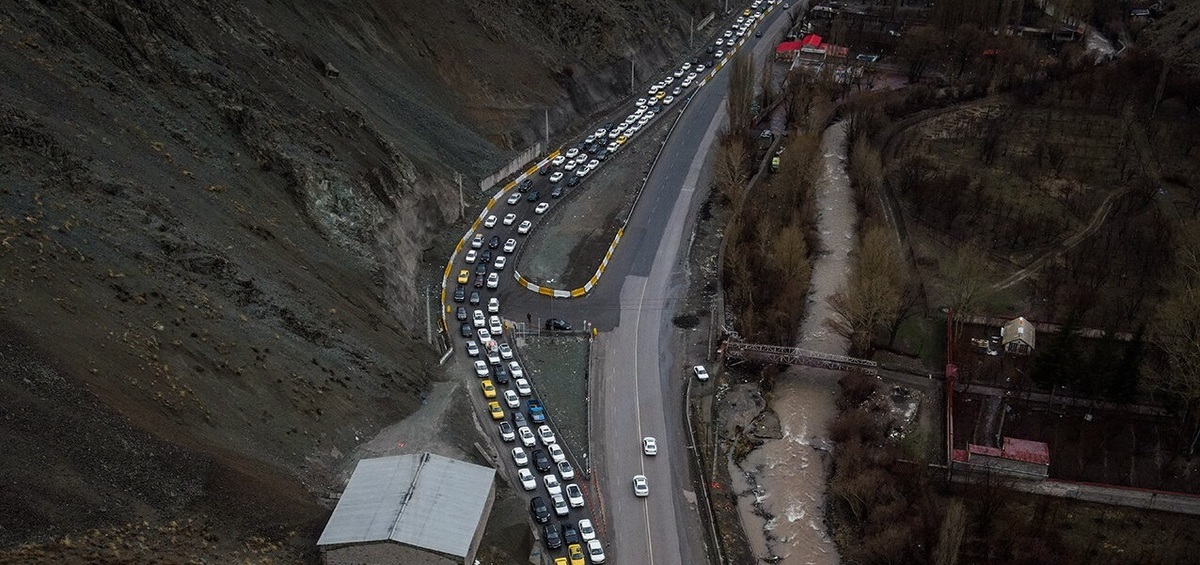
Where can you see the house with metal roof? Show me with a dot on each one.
(419, 509)
(1021, 458)
(1018, 337)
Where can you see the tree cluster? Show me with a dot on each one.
(767, 260)
(882, 508)
(881, 292)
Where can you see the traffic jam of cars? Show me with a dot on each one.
(557, 504)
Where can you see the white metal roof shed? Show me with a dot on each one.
(422, 500)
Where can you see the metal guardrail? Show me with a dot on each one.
(797, 356)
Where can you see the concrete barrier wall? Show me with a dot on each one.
(513, 166)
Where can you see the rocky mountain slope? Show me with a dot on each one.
(215, 217)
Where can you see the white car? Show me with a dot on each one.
(583, 171)
(700, 68)
(505, 351)
(566, 470)
(652, 103)
(718, 54)
(641, 487)
(479, 319)
(525, 226)
(586, 531)
(541, 208)
(481, 368)
(519, 456)
(558, 160)
(556, 452)
(687, 66)
(590, 139)
(546, 435)
(581, 158)
(728, 33)
(691, 76)
(687, 83)
(668, 100)
(600, 132)
(570, 166)
(552, 485)
(572, 152)
(556, 176)
(477, 241)
(649, 446)
(527, 480)
(595, 551)
(700, 372)
(493, 305)
(612, 147)
(574, 495)
(653, 90)
(493, 358)
(515, 369)
(493, 280)
(509, 219)
(678, 72)
(523, 390)
(560, 505)
(490, 222)
(510, 398)
(640, 102)
(472, 349)
(506, 431)
(514, 198)
(527, 437)
(593, 164)
(484, 335)
(495, 327)
(471, 256)
(499, 263)
(510, 245)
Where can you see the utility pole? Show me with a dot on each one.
(462, 204)
(547, 148)
(631, 74)
(691, 31)
(428, 319)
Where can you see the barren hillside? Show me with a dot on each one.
(210, 243)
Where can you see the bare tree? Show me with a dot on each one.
(954, 526)
(1175, 332)
(874, 297)
(729, 167)
(741, 92)
(919, 49)
(966, 274)
(766, 84)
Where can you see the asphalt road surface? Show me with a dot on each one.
(640, 382)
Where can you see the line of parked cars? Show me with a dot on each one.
(541, 463)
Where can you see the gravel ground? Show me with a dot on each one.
(558, 365)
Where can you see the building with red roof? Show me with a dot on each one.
(1018, 457)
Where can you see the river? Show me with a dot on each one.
(785, 478)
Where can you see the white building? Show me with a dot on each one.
(420, 509)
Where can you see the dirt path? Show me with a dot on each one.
(1098, 218)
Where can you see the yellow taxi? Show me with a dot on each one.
(660, 94)
(560, 561)
(746, 12)
(463, 276)
(496, 411)
(576, 554)
(621, 140)
(489, 391)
